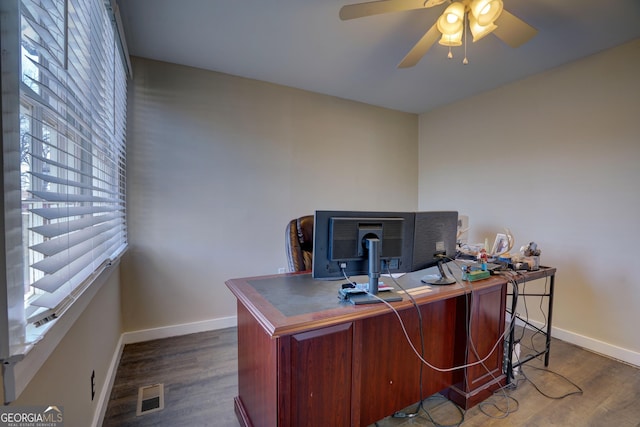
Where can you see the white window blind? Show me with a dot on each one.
(72, 149)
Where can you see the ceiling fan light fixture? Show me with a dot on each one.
(479, 31)
(452, 27)
(451, 39)
(451, 21)
(486, 11)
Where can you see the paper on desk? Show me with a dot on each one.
(418, 290)
(394, 275)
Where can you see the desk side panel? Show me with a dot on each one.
(487, 327)
(477, 382)
(257, 372)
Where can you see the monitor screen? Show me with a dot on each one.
(340, 242)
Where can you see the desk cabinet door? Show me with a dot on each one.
(317, 389)
(487, 326)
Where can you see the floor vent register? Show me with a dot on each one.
(150, 399)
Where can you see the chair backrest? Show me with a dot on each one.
(299, 243)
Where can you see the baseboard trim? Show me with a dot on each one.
(105, 392)
(148, 335)
(606, 349)
(176, 330)
(622, 354)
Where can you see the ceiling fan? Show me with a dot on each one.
(481, 17)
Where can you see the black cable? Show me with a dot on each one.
(460, 411)
(578, 391)
(524, 303)
(484, 404)
(537, 331)
(471, 344)
(504, 413)
(544, 324)
(512, 324)
(468, 327)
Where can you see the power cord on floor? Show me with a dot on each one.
(578, 390)
(439, 396)
(502, 413)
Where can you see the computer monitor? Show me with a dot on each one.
(354, 243)
(434, 243)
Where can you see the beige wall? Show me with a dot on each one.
(556, 158)
(217, 165)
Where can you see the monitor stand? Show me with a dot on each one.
(373, 246)
(443, 280)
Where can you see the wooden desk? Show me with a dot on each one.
(305, 358)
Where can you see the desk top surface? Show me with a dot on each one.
(290, 303)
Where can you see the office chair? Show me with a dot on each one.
(299, 243)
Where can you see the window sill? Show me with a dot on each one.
(33, 355)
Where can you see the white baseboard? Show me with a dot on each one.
(147, 335)
(176, 330)
(105, 392)
(622, 354)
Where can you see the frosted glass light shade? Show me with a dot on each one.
(451, 39)
(486, 11)
(479, 31)
(451, 21)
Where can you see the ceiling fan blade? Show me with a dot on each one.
(420, 49)
(513, 30)
(359, 10)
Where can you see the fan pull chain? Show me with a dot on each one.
(465, 61)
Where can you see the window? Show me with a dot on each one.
(63, 134)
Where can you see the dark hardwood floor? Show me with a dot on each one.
(199, 373)
(200, 377)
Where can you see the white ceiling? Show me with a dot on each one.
(304, 44)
